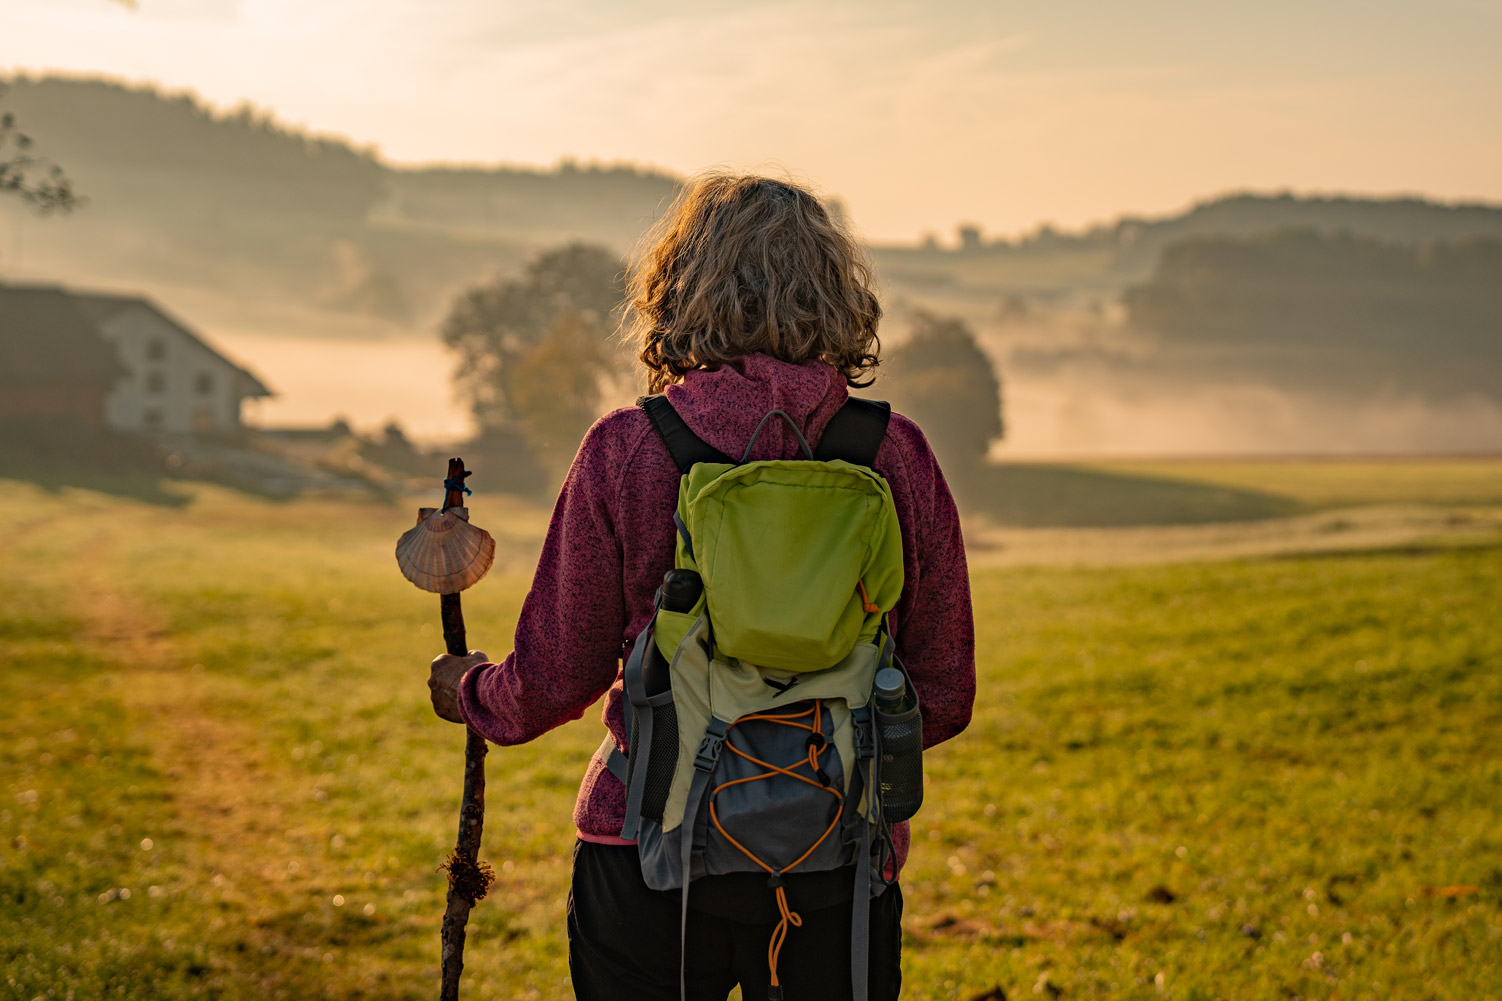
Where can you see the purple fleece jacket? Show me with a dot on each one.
(611, 540)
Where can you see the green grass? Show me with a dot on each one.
(1296, 750)
(1255, 779)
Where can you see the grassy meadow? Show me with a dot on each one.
(1196, 771)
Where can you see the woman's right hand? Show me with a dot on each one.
(444, 676)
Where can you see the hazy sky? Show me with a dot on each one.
(919, 115)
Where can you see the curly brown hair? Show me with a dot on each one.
(743, 264)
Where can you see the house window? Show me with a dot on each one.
(204, 384)
(156, 382)
(152, 418)
(156, 349)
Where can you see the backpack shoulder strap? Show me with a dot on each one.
(855, 432)
(684, 446)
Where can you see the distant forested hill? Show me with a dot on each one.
(134, 148)
(1410, 221)
(1300, 307)
(1104, 258)
(115, 137)
(181, 195)
(610, 204)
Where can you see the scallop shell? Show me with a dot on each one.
(443, 552)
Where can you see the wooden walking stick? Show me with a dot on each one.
(445, 554)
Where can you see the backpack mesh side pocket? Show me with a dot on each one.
(662, 760)
(900, 769)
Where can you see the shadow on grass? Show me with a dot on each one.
(55, 453)
(50, 475)
(1030, 495)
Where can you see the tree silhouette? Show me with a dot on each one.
(942, 380)
(533, 350)
(557, 386)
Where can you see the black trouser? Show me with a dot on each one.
(623, 941)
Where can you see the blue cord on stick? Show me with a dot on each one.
(455, 484)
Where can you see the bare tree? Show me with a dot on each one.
(33, 179)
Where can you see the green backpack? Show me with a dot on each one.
(754, 743)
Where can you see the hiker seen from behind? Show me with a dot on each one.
(764, 577)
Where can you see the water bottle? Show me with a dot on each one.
(680, 593)
(900, 732)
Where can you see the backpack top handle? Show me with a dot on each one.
(802, 441)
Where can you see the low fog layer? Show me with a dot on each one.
(1070, 413)
(1087, 414)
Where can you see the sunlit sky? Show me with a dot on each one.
(918, 115)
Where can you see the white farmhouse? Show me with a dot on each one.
(174, 381)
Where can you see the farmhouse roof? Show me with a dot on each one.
(100, 308)
(46, 336)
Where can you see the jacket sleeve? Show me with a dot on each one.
(936, 630)
(568, 637)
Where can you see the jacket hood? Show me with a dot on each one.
(723, 405)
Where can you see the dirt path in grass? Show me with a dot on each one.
(251, 846)
(217, 763)
(230, 800)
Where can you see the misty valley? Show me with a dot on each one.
(1248, 324)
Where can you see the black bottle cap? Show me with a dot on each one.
(681, 590)
(890, 684)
